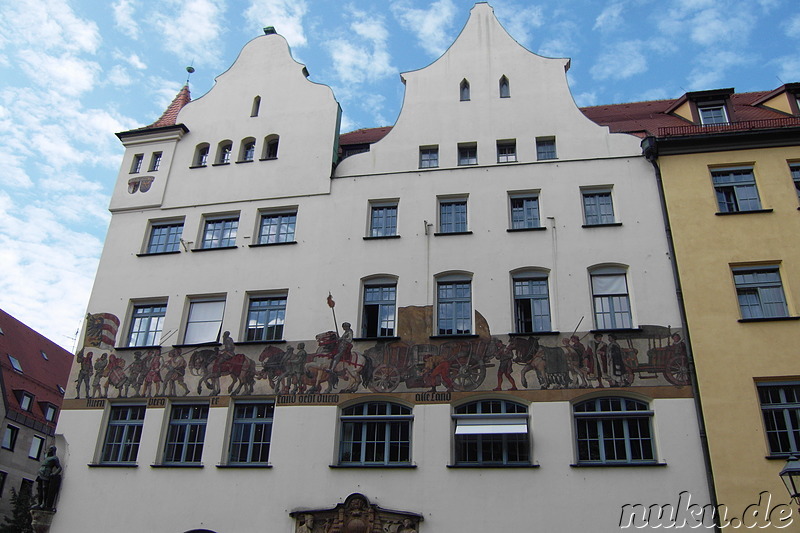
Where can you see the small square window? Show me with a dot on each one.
(735, 190)
(507, 151)
(598, 207)
(37, 444)
(265, 318)
(251, 432)
(277, 227)
(383, 220)
(428, 157)
(467, 154)
(525, 212)
(760, 292)
(10, 437)
(453, 215)
(711, 114)
(147, 321)
(165, 238)
(220, 233)
(15, 363)
(545, 148)
(26, 401)
(155, 161)
(204, 321)
(136, 164)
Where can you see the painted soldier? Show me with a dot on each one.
(228, 347)
(153, 377)
(85, 373)
(176, 370)
(136, 373)
(505, 356)
(599, 357)
(99, 370)
(437, 366)
(344, 345)
(114, 373)
(617, 362)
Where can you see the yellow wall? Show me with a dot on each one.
(729, 354)
(780, 102)
(685, 111)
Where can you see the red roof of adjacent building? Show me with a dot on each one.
(364, 136)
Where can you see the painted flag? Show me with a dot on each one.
(101, 329)
(331, 303)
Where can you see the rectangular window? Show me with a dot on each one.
(545, 148)
(155, 161)
(780, 407)
(136, 164)
(379, 310)
(147, 322)
(760, 292)
(506, 151)
(712, 114)
(204, 321)
(123, 434)
(468, 154)
(531, 304)
(3, 476)
(375, 433)
(50, 413)
(428, 157)
(165, 238)
(26, 401)
(612, 309)
(614, 430)
(10, 437)
(15, 363)
(795, 169)
(454, 308)
(37, 444)
(26, 486)
(220, 232)
(265, 318)
(185, 435)
(277, 227)
(383, 220)
(736, 190)
(491, 432)
(453, 216)
(525, 212)
(597, 207)
(250, 433)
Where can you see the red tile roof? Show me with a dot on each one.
(170, 116)
(364, 136)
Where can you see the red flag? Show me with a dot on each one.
(331, 303)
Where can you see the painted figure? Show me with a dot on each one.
(344, 345)
(85, 373)
(505, 356)
(153, 377)
(307, 524)
(114, 374)
(176, 370)
(136, 372)
(48, 481)
(574, 350)
(99, 370)
(619, 374)
(437, 366)
(228, 347)
(599, 357)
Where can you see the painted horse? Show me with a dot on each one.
(355, 368)
(210, 366)
(549, 363)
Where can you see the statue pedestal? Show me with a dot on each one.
(41, 520)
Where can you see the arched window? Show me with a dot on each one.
(491, 432)
(270, 147)
(454, 304)
(256, 106)
(531, 301)
(612, 306)
(464, 90)
(375, 433)
(247, 150)
(505, 90)
(378, 316)
(201, 155)
(614, 430)
(224, 152)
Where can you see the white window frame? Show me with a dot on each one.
(155, 161)
(357, 423)
(611, 304)
(543, 151)
(711, 107)
(455, 304)
(250, 437)
(602, 423)
(37, 445)
(759, 291)
(735, 189)
(224, 150)
(483, 426)
(202, 314)
(269, 319)
(429, 156)
(522, 221)
(385, 318)
(284, 220)
(123, 434)
(503, 153)
(227, 233)
(151, 329)
(532, 301)
(186, 447)
(452, 222)
(136, 163)
(597, 211)
(167, 243)
(386, 225)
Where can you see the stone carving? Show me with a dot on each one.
(356, 515)
(48, 482)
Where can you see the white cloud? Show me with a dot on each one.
(285, 15)
(131, 59)
(620, 61)
(70, 74)
(788, 68)
(119, 76)
(586, 99)
(708, 23)
(610, 18)
(430, 26)
(192, 29)
(362, 59)
(124, 18)
(48, 25)
(561, 41)
(711, 69)
(518, 20)
(792, 27)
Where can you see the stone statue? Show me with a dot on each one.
(48, 481)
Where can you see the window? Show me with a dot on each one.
(15, 363)
(612, 309)
(265, 318)
(224, 152)
(531, 302)
(277, 227)
(491, 432)
(545, 148)
(155, 161)
(250, 433)
(10, 437)
(505, 90)
(50, 413)
(507, 151)
(165, 238)
(37, 444)
(271, 147)
(525, 211)
(256, 106)
(464, 90)
(454, 307)
(428, 157)
(736, 190)
(26, 401)
(760, 292)
(3, 476)
(467, 154)
(712, 114)
(795, 169)
(452, 215)
(220, 232)
(147, 321)
(383, 219)
(26, 486)
(44, 355)
(201, 155)
(123, 434)
(375, 433)
(597, 207)
(248, 149)
(614, 430)
(186, 433)
(780, 407)
(378, 319)
(204, 321)
(136, 164)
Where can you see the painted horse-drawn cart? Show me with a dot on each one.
(666, 355)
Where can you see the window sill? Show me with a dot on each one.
(607, 225)
(177, 465)
(154, 347)
(219, 164)
(770, 319)
(468, 466)
(615, 465)
(214, 248)
(244, 466)
(198, 345)
(371, 238)
(244, 161)
(146, 254)
(270, 244)
(268, 159)
(198, 166)
(437, 166)
(617, 330)
(247, 343)
(373, 466)
(726, 213)
(780, 457)
(547, 159)
(379, 339)
(534, 333)
(457, 336)
(112, 465)
(439, 234)
(537, 228)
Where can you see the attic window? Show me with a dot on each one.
(712, 113)
(464, 91)
(15, 363)
(44, 355)
(61, 389)
(26, 401)
(505, 91)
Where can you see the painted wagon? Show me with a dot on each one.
(664, 357)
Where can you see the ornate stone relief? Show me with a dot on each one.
(356, 515)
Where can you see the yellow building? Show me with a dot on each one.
(729, 167)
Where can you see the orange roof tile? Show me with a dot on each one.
(170, 116)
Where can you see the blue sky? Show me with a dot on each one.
(74, 72)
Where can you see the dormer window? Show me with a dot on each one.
(712, 114)
(25, 401)
(464, 90)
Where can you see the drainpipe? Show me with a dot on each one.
(650, 152)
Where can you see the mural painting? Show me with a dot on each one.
(413, 362)
(356, 515)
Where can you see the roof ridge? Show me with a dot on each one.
(170, 115)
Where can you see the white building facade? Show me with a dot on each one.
(514, 359)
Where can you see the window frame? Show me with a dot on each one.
(136, 163)
(729, 190)
(385, 308)
(794, 171)
(26, 400)
(283, 220)
(122, 437)
(615, 300)
(385, 225)
(503, 146)
(545, 321)
(274, 308)
(186, 448)
(167, 243)
(12, 432)
(376, 423)
(543, 148)
(155, 161)
(190, 339)
(247, 150)
(271, 145)
(781, 431)
(453, 305)
(227, 232)
(460, 221)
(224, 149)
(504, 87)
(149, 311)
(712, 106)
(764, 292)
(15, 364)
(464, 91)
(50, 412)
(201, 152)
(523, 221)
(37, 445)
(597, 212)
(252, 448)
(429, 156)
(599, 418)
(467, 154)
(479, 430)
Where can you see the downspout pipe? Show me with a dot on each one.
(650, 151)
